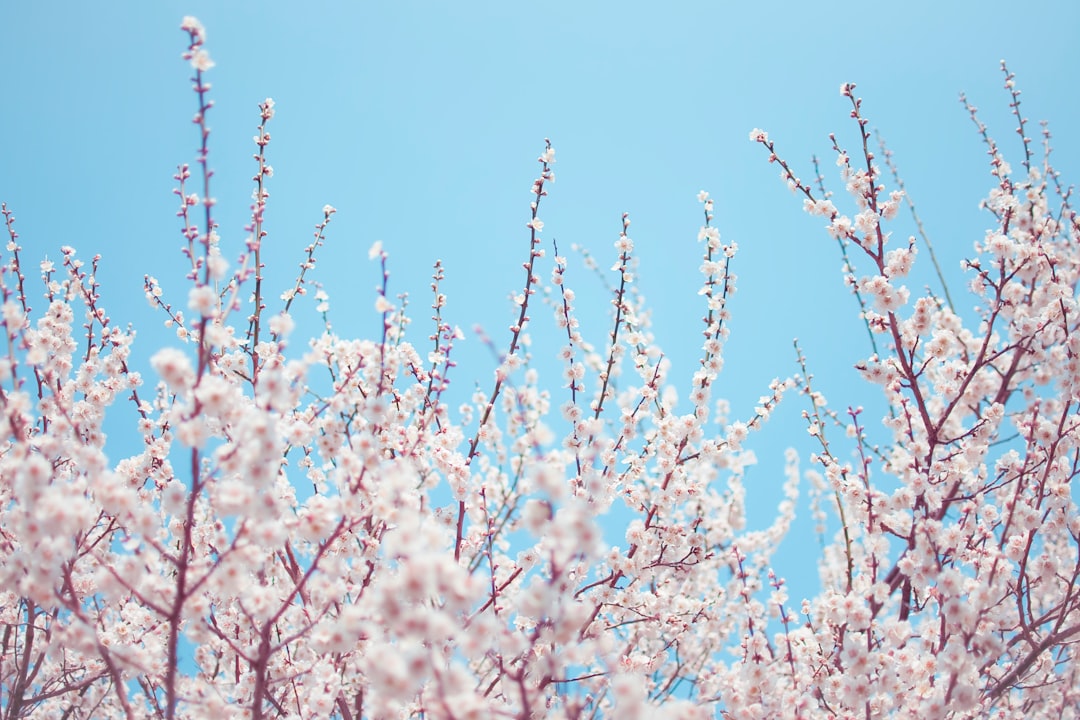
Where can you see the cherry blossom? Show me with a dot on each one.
(309, 529)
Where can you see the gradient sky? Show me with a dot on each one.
(421, 123)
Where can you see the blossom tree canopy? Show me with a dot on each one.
(309, 529)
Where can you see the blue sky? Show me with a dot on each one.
(421, 122)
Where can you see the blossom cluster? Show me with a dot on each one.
(310, 530)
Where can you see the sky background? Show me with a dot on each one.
(421, 122)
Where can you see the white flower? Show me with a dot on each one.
(281, 324)
(174, 367)
(217, 264)
(200, 60)
(203, 300)
(192, 25)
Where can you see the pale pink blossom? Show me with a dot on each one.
(357, 527)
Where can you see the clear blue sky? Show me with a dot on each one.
(421, 122)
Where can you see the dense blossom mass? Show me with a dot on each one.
(311, 531)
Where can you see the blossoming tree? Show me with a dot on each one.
(309, 531)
